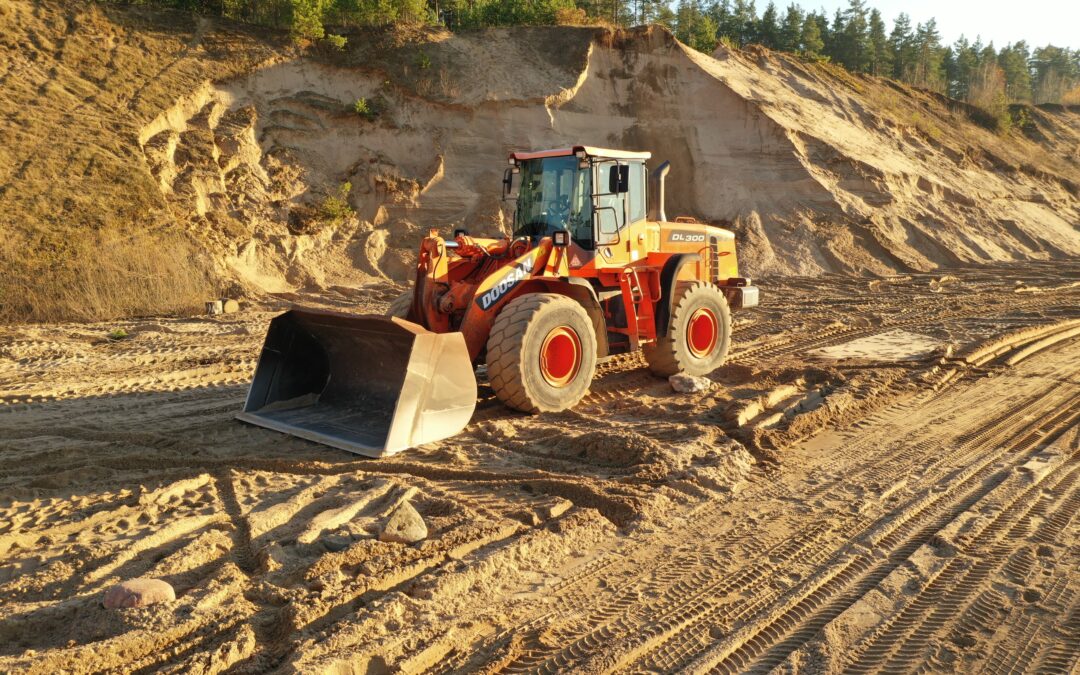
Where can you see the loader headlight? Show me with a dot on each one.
(560, 237)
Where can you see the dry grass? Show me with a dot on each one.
(103, 276)
(903, 110)
(82, 80)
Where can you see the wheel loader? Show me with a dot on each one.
(592, 268)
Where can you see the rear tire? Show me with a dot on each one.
(541, 353)
(400, 306)
(698, 337)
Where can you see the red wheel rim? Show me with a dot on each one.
(560, 356)
(702, 333)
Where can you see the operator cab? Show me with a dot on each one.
(593, 193)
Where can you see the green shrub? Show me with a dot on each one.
(117, 334)
(423, 61)
(335, 208)
(336, 42)
(368, 109)
(1021, 118)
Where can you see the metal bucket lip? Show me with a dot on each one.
(404, 324)
(355, 447)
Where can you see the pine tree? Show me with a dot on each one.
(746, 21)
(729, 23)
(704, 39)
(812, 44)
(834, 37)
(307, 19)
(768, 33)
(791, 29)
(928, 71)
(959, 74)
(663, 16)
(695, 27)
(1056, 71)
(1013, 60)
(901, 45)
(880, 54)
(854, 50)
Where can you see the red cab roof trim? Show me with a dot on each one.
(603, 153)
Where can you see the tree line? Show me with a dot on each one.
(856, 37)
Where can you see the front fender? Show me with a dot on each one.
(496, 290)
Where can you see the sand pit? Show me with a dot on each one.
(844, 494)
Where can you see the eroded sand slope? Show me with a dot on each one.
(237, 139)
(817, 170)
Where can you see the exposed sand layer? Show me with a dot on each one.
(817, 170)
(164, 123)
(809, 514)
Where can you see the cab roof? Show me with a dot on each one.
(591, 151)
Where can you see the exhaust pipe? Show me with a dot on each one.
(657, 212)
(368, 384)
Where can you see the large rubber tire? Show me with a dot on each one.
(526, 328)
(677, 352)
(400, 306)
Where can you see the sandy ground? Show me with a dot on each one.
(872, 508)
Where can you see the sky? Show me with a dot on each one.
(1038, 22)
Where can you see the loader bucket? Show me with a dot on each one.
(368, 384)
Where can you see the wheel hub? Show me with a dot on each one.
(560, 356)
(702, 333)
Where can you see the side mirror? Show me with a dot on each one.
(619, 179)
(507, 182)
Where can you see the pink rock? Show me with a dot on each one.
(138, 593)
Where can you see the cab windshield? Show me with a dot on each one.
(555, 194)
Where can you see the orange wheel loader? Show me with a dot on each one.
(593, 268)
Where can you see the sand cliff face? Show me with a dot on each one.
(816, 170)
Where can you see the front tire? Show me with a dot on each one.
(541, 353)
(698, 337)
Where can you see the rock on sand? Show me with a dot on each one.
(138, 593)
(404, 525)
(687, 384)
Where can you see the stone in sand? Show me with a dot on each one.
(336, 542)
(404, 525)
(138, 593)
(688, 384)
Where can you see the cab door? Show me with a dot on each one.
(623, 234)
(612, 183)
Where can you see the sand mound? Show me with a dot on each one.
(257, 153)
(812, 166)
(819, 171)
